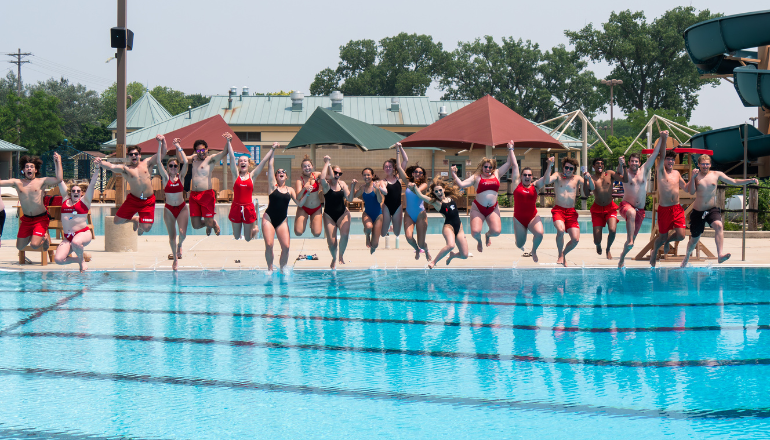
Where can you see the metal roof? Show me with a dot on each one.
(276, 110)
(330, 127)
(210, 130)
(7, 146)
(169, 125)
(142, 113)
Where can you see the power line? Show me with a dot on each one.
(18, 63)
(54, 64)
(75, 77)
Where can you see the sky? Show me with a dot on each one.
(206, 47)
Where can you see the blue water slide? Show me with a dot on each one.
(727, 143)
(710, 43)
(753, 86)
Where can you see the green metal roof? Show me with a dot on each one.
(169, 125)
(330, 127)
(144, 112)
(7, 146)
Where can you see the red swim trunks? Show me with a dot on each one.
(242, 213)
(202, 203)
(133, 205)
(670, 217)
(69, 237)
(175, 210)
(600, 215)
(485, 211)
(37, 225)
(568, 215)
(626, 209)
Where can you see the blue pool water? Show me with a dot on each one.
(435, 224)
(546, 354)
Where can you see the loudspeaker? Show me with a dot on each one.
(121, 38)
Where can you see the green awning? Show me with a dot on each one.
(325, 127)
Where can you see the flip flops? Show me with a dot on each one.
(307, 257)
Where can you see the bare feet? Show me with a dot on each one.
(368, 241)
(609, 255)
(654, 257)
(479, 246)
(342, 261)
(135, 224)
(626, 249)
(534, 255)
(564, 262)
(684, 262)
(216, 227)
(140, 231)
(417, 254)
(449, 259)
(334, 264)
(179, 251)
(724, 258)
(175, 265)
(83, 266)
(431, 264)
(427, 255)
(208, 230)
(666, 248)
(86, 256)
(599, 248)
(489, 240)
(561, 259)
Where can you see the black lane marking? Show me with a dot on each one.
(41, 312)
(438, 301)
(419, 322)
(371, 394)
(401, 351)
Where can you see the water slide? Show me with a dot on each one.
(721, 46)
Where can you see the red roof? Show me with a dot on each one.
(210, 130)
(486, 121)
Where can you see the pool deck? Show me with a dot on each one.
(216, 253)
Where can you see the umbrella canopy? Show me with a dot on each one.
(325, 127)
(210, 130)
(487, 121)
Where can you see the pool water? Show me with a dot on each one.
(435, 224)
(547, 354)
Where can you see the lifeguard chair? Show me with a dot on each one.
(685, 199)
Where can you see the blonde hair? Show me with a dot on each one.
(450, 190)
(703, 157)
(480, 166)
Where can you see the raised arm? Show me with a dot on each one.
(588, 181)
(508, 163)
(262, 163)
(738, 182)
(659, 151)
(57, 170)
(271, 183)
(624, 170)
(462, 183)
(233, 165)
(692, 186)
(352, 193)
(546, 179)
(515, 172)
(181, 156)
(89, 195)
(325, 172)
(221, 155)
(401, 163)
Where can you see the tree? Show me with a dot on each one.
(650, 58)
(91, 137)
(517, 73)
(174, 101)
(109, 100)
(7, 85)
(401, 65)
(39, 122)
(77, 106)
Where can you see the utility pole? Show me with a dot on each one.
(18, 63)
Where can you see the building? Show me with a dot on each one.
(9, 159)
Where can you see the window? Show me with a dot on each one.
(249, 136)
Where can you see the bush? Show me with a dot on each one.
(502, 200)
(763, 204)
(730, 226)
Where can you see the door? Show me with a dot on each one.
(460, 164)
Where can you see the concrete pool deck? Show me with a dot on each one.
(215, 253)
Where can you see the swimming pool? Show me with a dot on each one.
(547, 354)
(435, 224)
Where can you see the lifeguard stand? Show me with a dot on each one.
(685, 199)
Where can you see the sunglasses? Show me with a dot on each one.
(173, 166)
(134, 154)
(487, 167)
(76, 191)
(200, 151)
(417, 172)
(337, 173)
(281, 172)
(526, 175)
(569, 168)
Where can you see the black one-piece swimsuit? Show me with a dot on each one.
(451, 215)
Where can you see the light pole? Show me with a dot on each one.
(612, 83)
(753, 120)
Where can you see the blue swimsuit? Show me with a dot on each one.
(414, 205)
(372, 207)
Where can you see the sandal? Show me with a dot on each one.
(526, 254)
(170, 256)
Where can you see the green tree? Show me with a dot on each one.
(650, 58)
(401, 65)
(536, 85)
(39, 122)
(7, 85)
(91, 137)
(174, 101)
(196, 100)
(109, 100)
(77, 106)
